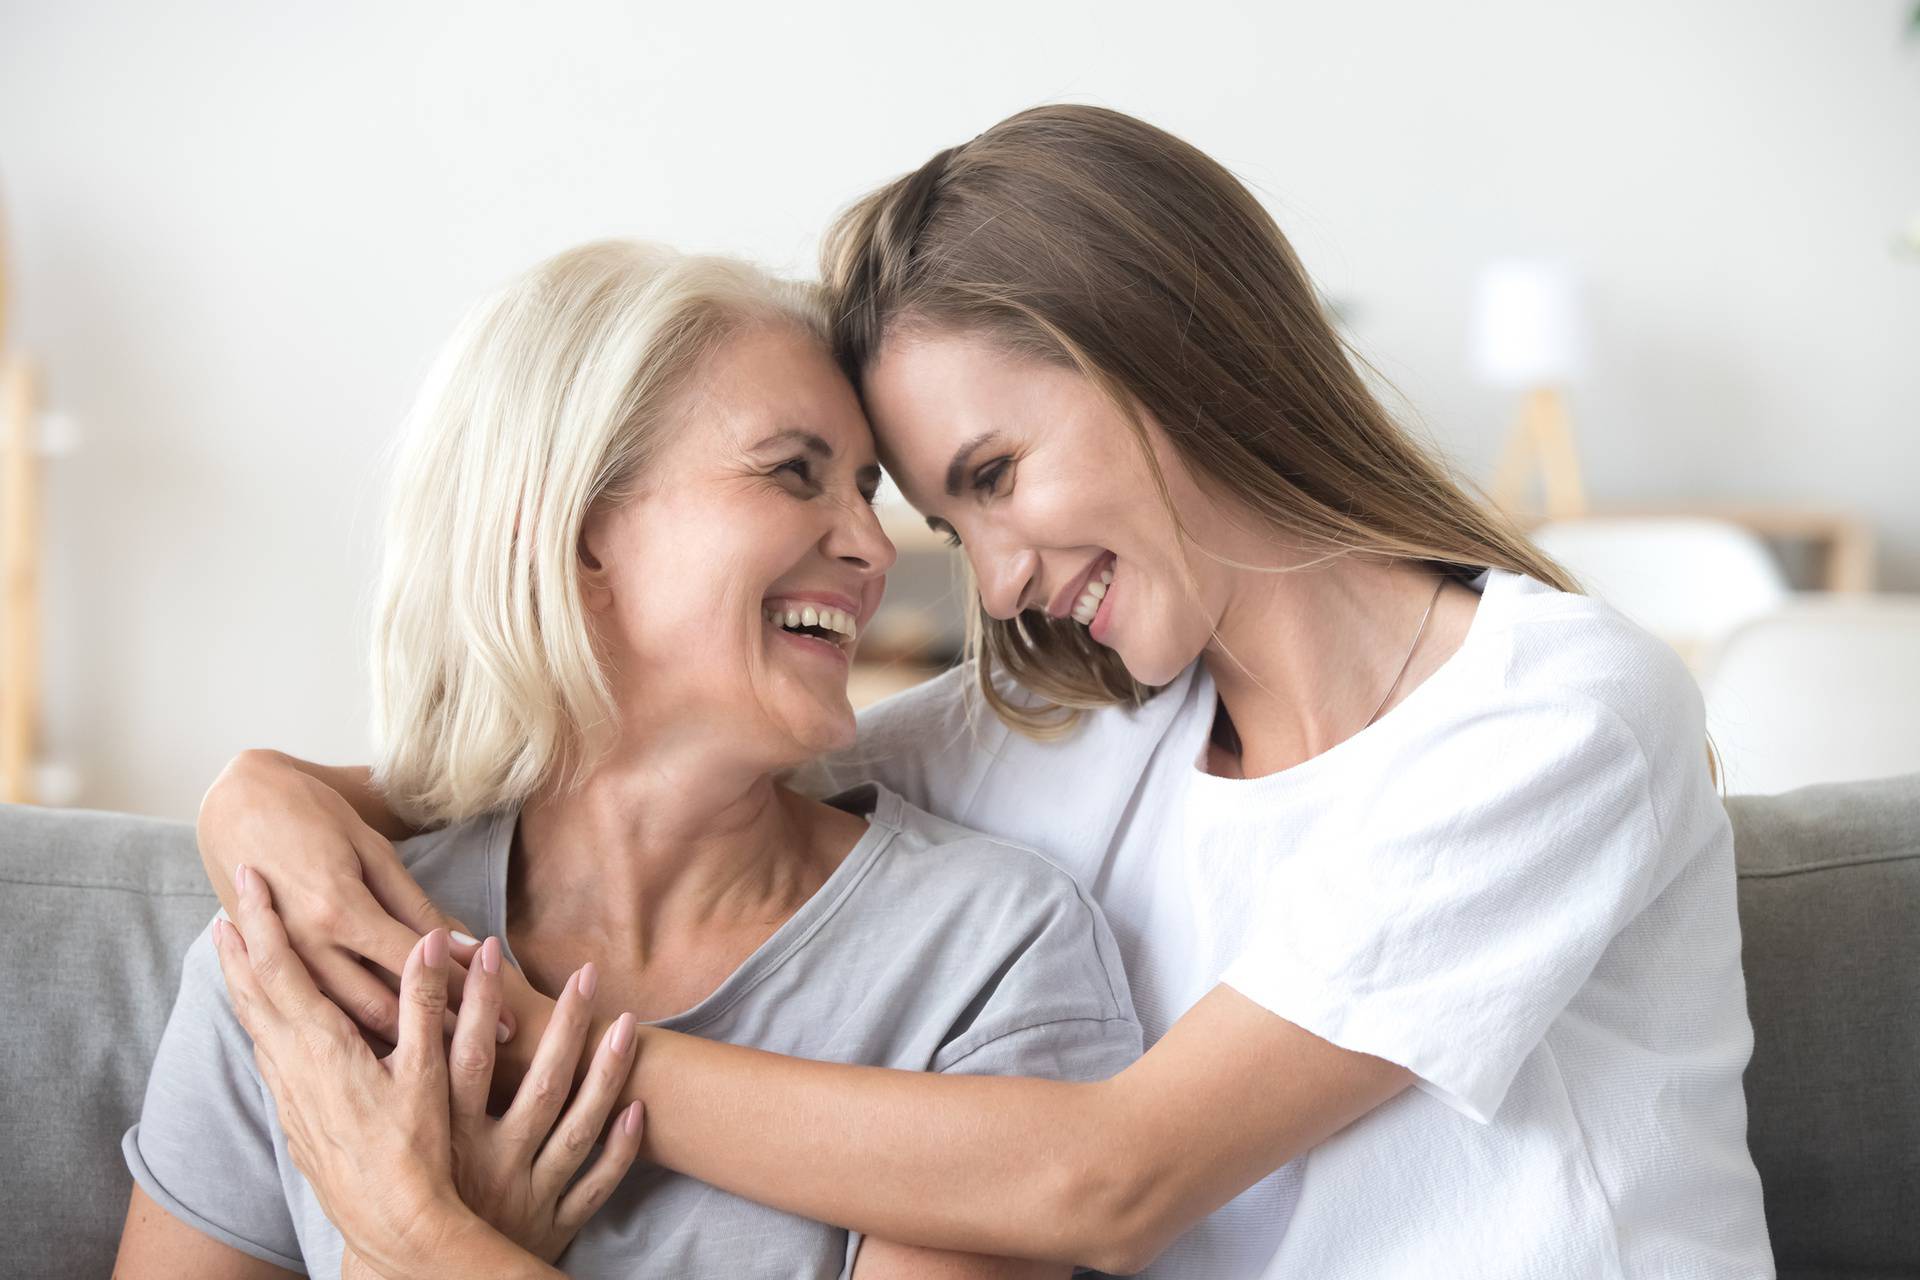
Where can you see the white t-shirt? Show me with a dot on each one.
(1518, 884)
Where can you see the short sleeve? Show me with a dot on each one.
(1450, 922)
(204, 1147)
(1056, 1004)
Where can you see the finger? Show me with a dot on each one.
(581, 1126)
(588, 1194)
(550, 1078)
(281, 974)
(395, 889)
(251, 1004)
(470, 1061)
(423, 1007)
(362, 995)
(369, 930)
(463, 946)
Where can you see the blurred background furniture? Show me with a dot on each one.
(99, 907)
(1689, 581)
(19, 558)
(1823, 689)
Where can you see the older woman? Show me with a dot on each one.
(630, 549)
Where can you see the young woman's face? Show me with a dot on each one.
(1040, 479)
(731, 588)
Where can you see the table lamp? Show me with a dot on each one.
(1529, 333)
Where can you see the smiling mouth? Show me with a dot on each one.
(836, 627)
(1092, 594)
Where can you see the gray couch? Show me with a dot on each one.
(96, 909)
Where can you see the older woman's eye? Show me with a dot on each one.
(799, 468)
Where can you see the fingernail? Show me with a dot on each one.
(240, 874)
(489, 953)
(623, 1033)
(220, 927)
(500, 1033)
(435, 952)
(589, 980)
(464, 939)
(631, 1121)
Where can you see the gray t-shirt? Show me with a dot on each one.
(930, 948)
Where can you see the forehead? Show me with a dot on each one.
(770, 378)
(930, 393)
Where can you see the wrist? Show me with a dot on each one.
(475, 1248)
(446, 1237)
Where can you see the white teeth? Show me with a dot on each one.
(1089, 602)
(835, 620)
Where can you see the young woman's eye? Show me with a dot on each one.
(945, 531)
(986, 481)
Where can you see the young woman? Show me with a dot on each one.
(630, 546)
(1414, 855)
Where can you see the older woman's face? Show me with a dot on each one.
(731, 588)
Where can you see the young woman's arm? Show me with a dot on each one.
(1105, 1175)
(323, 835)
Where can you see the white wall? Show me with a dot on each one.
(239, 230)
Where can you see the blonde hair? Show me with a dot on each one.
(549, 400)
(1091, 239)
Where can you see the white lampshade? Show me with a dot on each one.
(1529, 324)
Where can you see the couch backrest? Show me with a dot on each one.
(96, 910)
(1830, 922)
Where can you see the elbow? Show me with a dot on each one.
(1112, 1199)
(1127, 1245)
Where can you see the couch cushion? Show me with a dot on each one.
(96, 910)
(1830, 919)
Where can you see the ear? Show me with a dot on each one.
(596, 589)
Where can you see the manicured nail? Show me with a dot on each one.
(631, 1121)
(500, 1033)
(589, 980)
(464, 939)
(489, 954)
(623, 1033)
(220, 927)
(435, 952)
(240, 877)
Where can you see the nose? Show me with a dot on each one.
(857, 539)
(1005, 577)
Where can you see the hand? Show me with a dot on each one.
(342, 892)
(515, 1171)
(373, 1137)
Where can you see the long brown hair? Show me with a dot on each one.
(1091, 239)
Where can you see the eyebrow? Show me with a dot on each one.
(805, 439)
(959, 463)
(868, 475)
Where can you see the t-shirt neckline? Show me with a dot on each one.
(1492, 585)
(884, 822)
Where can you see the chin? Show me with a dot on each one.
(1157, 664)
(820, 731)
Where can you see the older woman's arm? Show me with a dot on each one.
(155, 1245)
